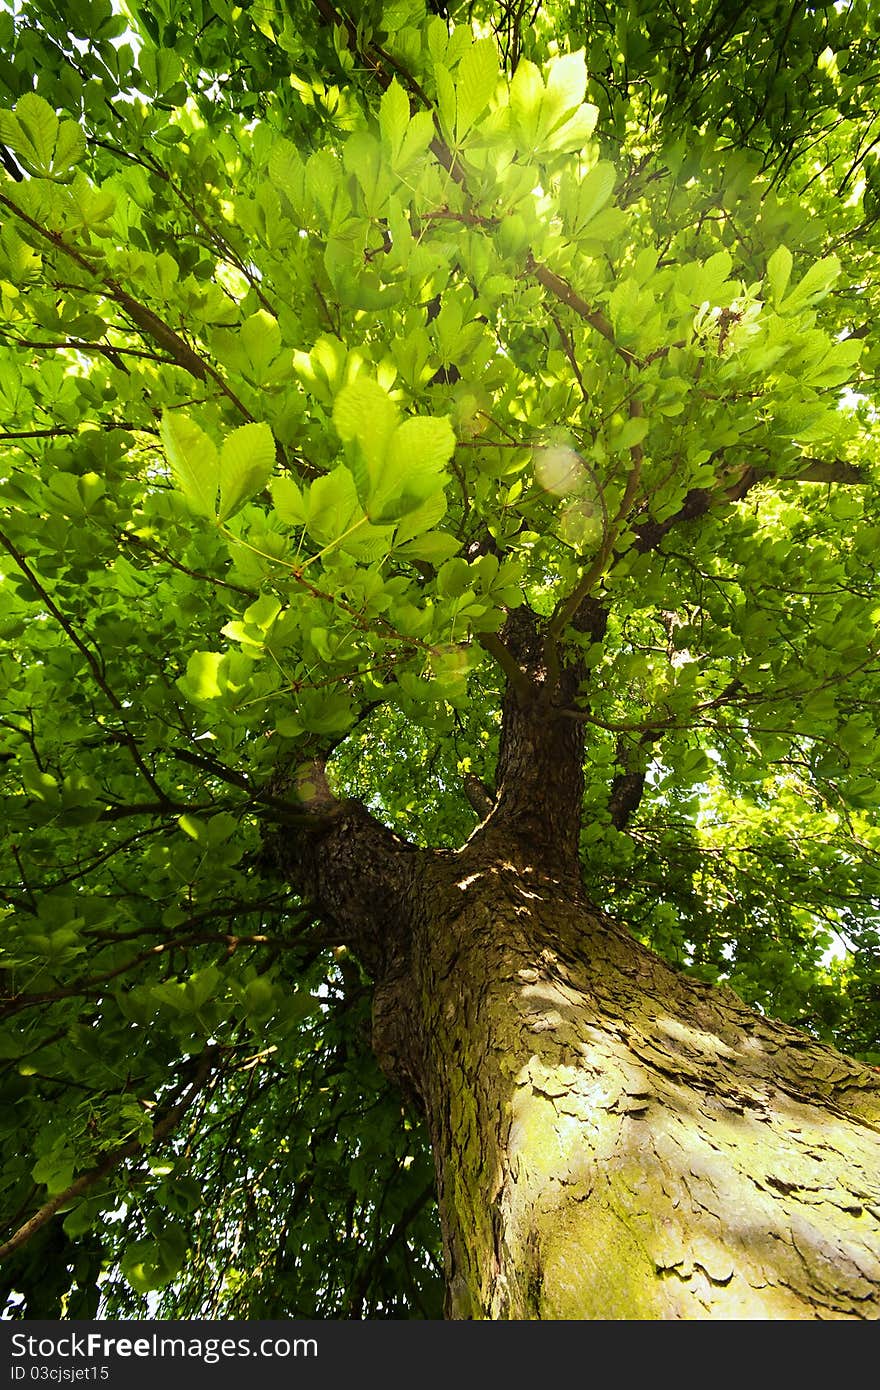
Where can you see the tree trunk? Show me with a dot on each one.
(613, 1140)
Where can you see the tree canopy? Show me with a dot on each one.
(332, 335)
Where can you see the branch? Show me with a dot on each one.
(478, 794)
(60, 430)
(814, 470)
(338, 20)
(354, 871)
(517, 678)
(219, 242)
(562, 291)
(286, 812)
(101, 858)
(95, 983)
(130, 539)
(699, 501)
(79, 345)
(649, 534)
(627, 788)
(173, 344)
(164, 1126)
(568, 349)
(115, 811)
(380, 1253)
(145, 318)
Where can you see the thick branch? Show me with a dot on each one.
(627, 787)
(517, 679)
(482, 800)
(539, 775)
(813, 470)
(260, 796)
(353, 870)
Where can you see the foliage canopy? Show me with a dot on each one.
(329, 337)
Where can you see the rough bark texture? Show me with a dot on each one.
(617, 1141)
(612, 1139)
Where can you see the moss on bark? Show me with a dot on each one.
(615, 1140)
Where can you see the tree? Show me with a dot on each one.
(441, 686)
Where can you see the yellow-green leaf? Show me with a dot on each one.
(423, 444)
(364, 412)
(193, 459)
(246, 463)
(477, 76)
(432, 510)
(394, 118)
(779, 271)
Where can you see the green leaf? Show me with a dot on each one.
(368, 542)
(632, 432)
(193, 459)
(779, 271)
(180, 1195)
(435, 547)
(596, 188)
(573, 134)
(814, 286)
(432, 510)
(526, 98)
(34, 133)
(259, 999)
(261, 340)
(263, 612)
(476, 80)
(55, 1170)
(202, 676)
(422, 444)
(70, 146)
(567, 81)
(222, 827)
(406, 474)
(287, 172)
(151, 1264)
(332, 502)
(446, 100)
(393, 119)
(289, 501)
(364, 412)
(193, 826)
(83, 1217)
(246, 463)
(418, 137)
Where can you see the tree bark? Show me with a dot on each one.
(612, 1139)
